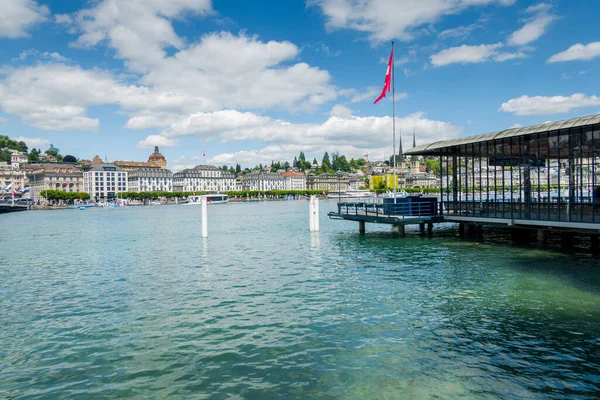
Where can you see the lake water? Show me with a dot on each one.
(133, 303)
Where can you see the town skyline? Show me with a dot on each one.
(252, 84)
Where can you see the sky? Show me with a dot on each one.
(252, 82)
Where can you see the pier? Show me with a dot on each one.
(544, 177)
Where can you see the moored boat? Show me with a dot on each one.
(210, 199)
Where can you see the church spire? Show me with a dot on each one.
(414, 139)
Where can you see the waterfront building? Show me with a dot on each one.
(156, 160)
(13, 176)
(260, 180)
(150, 180)
(328, 182)
(104, 181)
(541, 176)
(54, 176)
(203, 178)
(294, 180)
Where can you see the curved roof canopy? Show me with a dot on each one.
(433, 148)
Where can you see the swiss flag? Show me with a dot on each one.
(387, 84)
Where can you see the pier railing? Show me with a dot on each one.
(386, 208)
(555, 210)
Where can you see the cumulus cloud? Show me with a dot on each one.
(18, 16)
(340, 111)
(578, 52)
(156, 140)
(384, 20)
(534, 27)
(542, 105)
(465, 54)
(352, 133)
(32, 142)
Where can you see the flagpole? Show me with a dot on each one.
(394, 120)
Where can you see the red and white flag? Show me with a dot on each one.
(387, 84)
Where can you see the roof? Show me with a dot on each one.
(288, 174)
(102, 167)
(432, 148)
(136, 164)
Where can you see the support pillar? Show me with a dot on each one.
(470, 230)
(595, 244)
(422, 227)
(400, 229)
(430, 227)
(204, 212)
(542, 237)
(461, 229)
(361, 226)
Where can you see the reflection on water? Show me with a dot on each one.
(134, 303)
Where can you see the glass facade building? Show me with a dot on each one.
(543, 173)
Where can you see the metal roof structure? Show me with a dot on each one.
(433, 148)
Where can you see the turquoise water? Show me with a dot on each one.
(133, 303)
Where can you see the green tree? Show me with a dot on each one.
(231, 170)
(238, 168)
(361, 162)
(301, 157)
(53, 151)
(433, 165)
(326, 159)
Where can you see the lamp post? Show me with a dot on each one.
(339, 175)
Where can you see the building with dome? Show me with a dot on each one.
(156, 160)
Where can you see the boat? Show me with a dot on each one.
(83, 206)
(210, 199)
(352, 194)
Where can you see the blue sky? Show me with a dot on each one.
(251, 82)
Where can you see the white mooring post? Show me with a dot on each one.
(204, 217)
(314, 214)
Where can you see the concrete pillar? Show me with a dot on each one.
(422, 227)
(400, 229)
(430, 227)
(461, 229)
(469, 230)
(204, 208)
(595, 244)
(361, 226)
(313, 214)
(542, 237)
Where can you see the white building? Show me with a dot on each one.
(204, 178)
(17, 158)
(150, 180)
(259, 180)
(294, 180)
(104, 181)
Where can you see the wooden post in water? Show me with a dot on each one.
(313, 214)
(204, 217)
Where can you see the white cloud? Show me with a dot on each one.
(500, 57)
(156, 140)
(32, 142)
(534, 27)
(340, 111)
(54, 56)
(578, 52)
(542, 105)
(349, 133)
(516, 125)
(388, 19)
(465, 54)
(3, 120)
(17, 16)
